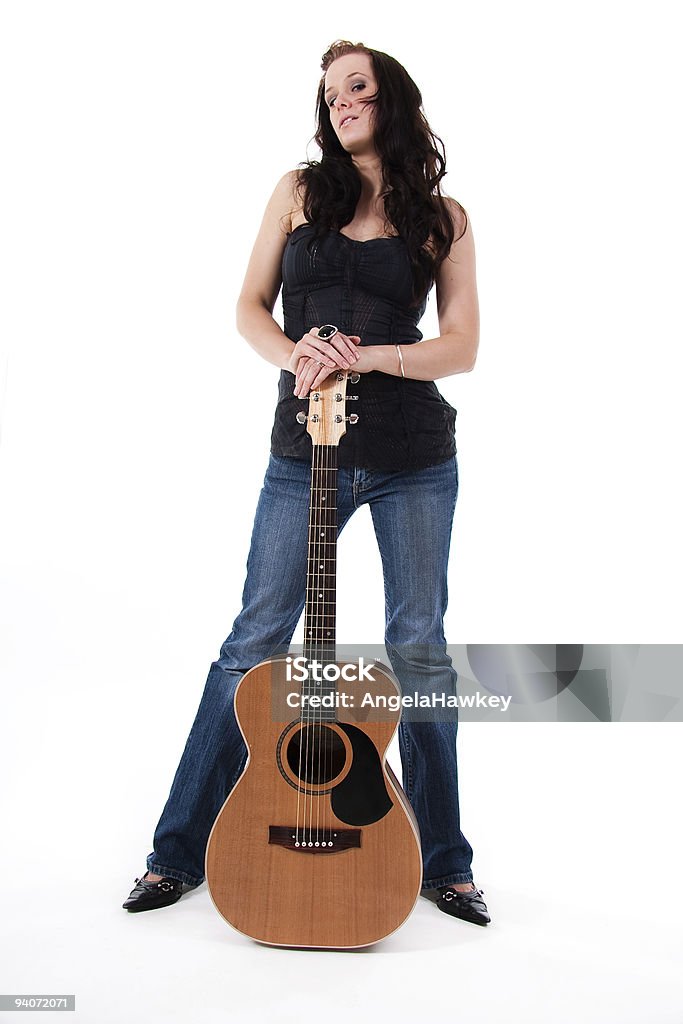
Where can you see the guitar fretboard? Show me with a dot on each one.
(321, 577)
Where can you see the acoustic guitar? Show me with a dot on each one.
(317, 845)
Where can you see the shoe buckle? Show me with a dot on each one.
(165, 886)
(452, 894)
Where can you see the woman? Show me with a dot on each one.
(356, 240)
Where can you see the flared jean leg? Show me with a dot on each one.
(413, 515)
(272, 601)
(430, 780)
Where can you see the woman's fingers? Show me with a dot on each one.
(320, 377)
(345, 347)
(315, 358)
(339, 347)
(315, 348)
(341, 351)
(307, 372)
(310, 347)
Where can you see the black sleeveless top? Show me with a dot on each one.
(362, 288)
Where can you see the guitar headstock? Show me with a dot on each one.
(326, 420)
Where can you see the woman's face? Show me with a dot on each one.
(348, 81)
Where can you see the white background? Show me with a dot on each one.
(141, 143)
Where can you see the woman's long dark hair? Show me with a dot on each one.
(413, 163)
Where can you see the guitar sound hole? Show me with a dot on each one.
(316, 754)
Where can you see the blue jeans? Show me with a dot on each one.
(412, 514)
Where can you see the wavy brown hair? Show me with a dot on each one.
(413, 164)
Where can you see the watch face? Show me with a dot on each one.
(327, 331)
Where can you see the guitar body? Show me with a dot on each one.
(317, 845)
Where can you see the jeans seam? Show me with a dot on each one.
(409, 763)
(454, 879)
(180, 876)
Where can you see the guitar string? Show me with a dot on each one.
(318, 684)
(320, 608)
(329, 641)
(313, 651)
(320, 596)
(308, 799)
(330, 514)
(324, 501)
(331, 579)
(321, 656)
(307, 650)
(303, 731)
(301, 709)
(313, 684)
(331, 620)
(330, 535)
(330, 484)
(331, 492)
(322, 520)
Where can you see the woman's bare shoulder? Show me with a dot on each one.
(459, 215)
(288, 199)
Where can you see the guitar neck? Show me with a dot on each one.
(321, 581)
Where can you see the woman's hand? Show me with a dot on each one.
(313, 359)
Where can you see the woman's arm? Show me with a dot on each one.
(261, 287)
(263, 280)
(455, 350)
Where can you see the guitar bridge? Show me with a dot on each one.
(314, 840)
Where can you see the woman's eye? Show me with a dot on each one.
(361, 84)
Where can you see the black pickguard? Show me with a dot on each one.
(361, 798)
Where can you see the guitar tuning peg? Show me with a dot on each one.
(353, 418)
(352, 398)
(301, 417)
(354, 377)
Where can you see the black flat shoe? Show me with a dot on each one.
(151, 895)
(469, 906)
